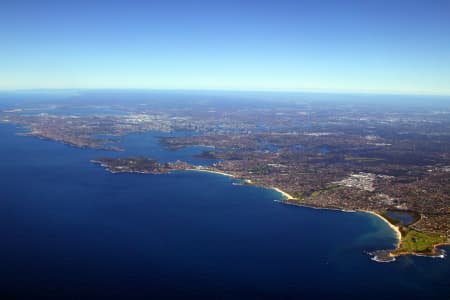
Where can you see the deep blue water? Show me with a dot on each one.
(71, 230)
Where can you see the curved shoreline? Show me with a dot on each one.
(288, 196)
(285, 194)
(396, 229)
(211, 171)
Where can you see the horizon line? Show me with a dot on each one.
(230, 90)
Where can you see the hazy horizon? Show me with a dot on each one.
(228, 91)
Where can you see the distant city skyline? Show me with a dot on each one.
(399, 47)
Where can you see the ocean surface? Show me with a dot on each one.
(71, 230)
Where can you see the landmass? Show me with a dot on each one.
(138, 164)
(345, 156)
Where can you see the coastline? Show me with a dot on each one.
(211, 171)
(287, 200)
(285, 194)
(396, 229)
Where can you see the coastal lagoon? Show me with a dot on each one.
(70, 229)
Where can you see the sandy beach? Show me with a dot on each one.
(211, 171)
(286, 195)
(396, 229)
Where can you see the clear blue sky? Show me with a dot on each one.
(398, 46)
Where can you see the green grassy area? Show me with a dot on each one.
(315, 194)
(419, 242)
(331, 187)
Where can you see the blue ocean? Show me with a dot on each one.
(71, 230)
